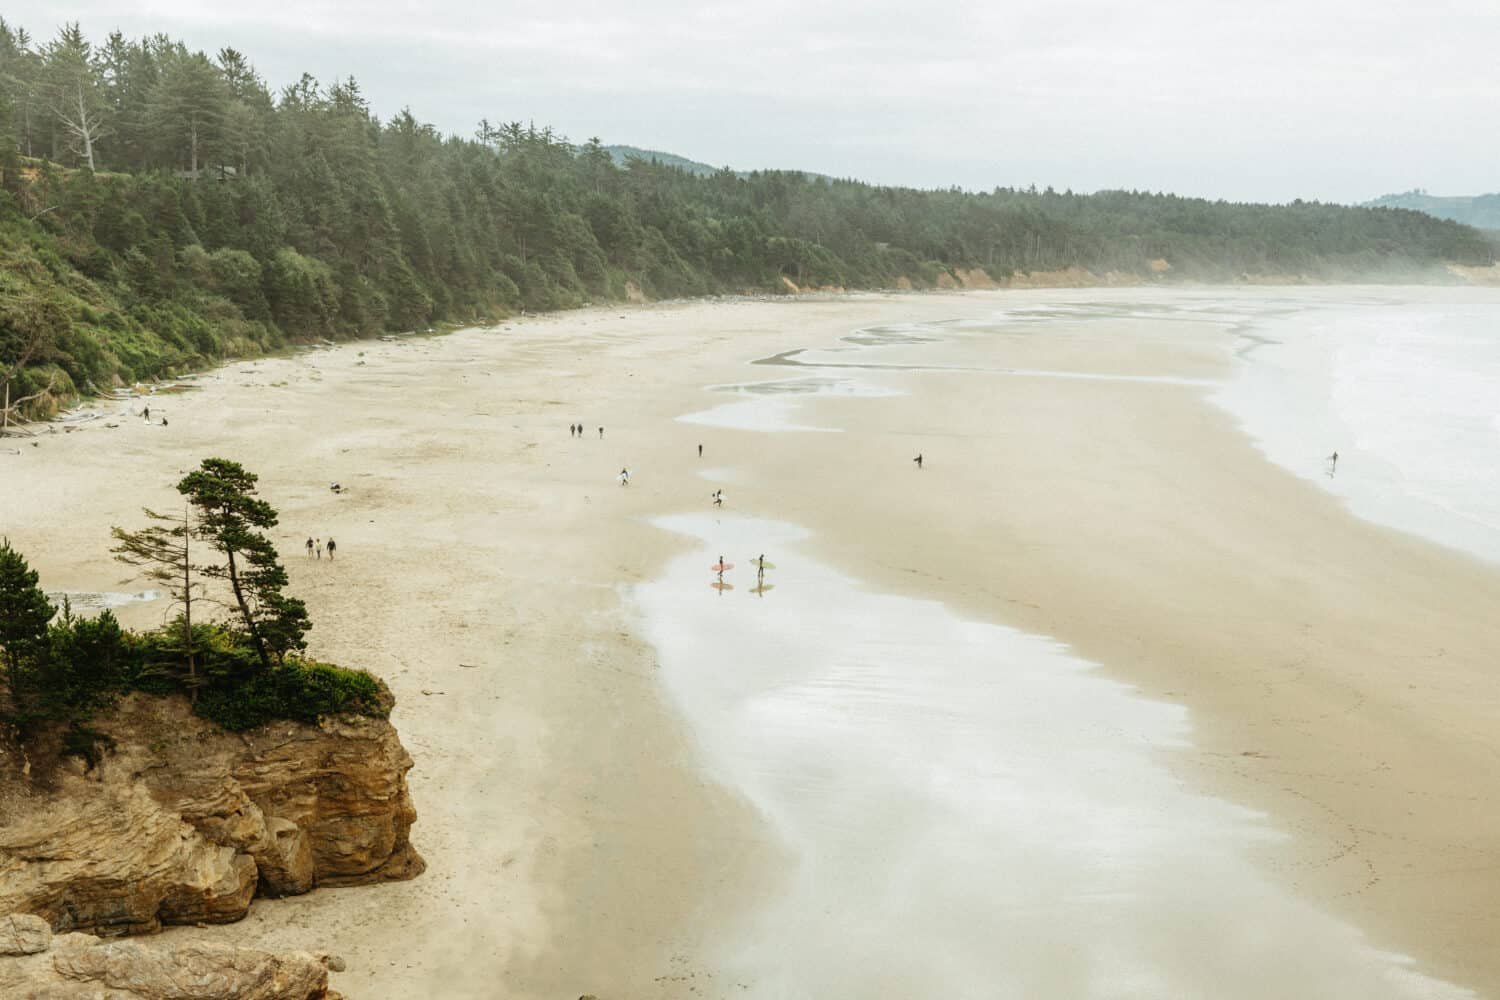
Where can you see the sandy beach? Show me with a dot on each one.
(1337, 676)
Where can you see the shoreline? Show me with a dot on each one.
(553, 773)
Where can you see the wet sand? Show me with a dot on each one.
(1337, 675)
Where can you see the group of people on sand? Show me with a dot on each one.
(317, 545)
(576, 430)
(146, 415)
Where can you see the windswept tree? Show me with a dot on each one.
(163, 549)
(232, 519)
(74, 93)
(24, 615)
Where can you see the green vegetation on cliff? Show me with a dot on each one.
(162, 208)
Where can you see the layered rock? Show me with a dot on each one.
(82, 967)
(185, 823)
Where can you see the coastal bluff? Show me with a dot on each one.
(172, 820)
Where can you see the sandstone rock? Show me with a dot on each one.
(24, 934)
(185, 823)
(81, 966)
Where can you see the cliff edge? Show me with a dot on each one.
(177, 821)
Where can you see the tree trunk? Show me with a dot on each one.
(187, 602)
(239, 597)
(86, 130)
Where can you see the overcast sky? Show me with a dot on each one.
(1340, 100)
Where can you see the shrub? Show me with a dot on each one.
(300, 690)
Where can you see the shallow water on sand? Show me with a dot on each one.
(969, 811)
(1408, 393)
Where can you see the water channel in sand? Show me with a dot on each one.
(970, 811)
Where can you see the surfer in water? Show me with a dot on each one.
(760, 567)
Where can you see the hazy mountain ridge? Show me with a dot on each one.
(1481, 211)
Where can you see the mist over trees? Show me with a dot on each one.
(160, 208)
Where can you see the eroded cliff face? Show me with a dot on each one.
(184, 823)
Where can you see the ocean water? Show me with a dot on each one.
(1408, 394)
(967, 811)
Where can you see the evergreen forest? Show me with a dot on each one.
(161, 208)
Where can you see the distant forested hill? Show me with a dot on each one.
(161, 208)
(622, 156)
(1481, 211)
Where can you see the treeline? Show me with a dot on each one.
(243, 669)
(163, 207)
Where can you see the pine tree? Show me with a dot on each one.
(232, 519)
(24, 614)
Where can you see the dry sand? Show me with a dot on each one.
(1340, 675)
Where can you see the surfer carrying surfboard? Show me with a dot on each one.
(624, 477)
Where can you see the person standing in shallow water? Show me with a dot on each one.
(1333, 463)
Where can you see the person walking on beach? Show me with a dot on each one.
(918, 460)
(624, 477)
(147, 413)
(700, 451)
(760, 568)
(331, 547)
(601, 434)
(320, 548)
(1333, 463)
(309, 547)
(719, 502)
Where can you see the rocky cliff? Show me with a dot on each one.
(181, 822)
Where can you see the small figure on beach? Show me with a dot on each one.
(309, 547)
(146, 413)
(320, 548)
(624, 477)
(601, 434)
(331, 547)
(700, 451)
(336, 487)
(164, 421)
(572, 430)
(760, 567)
(719, 500)
(722, 564)
(918, 460)
(1333, 463)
